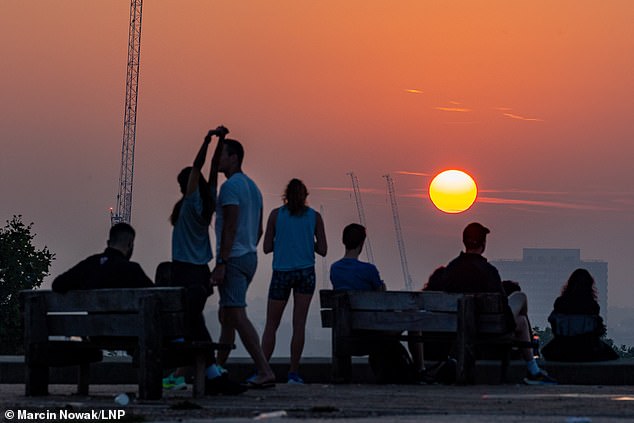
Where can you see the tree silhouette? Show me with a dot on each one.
(22, 266)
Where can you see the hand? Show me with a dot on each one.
(220, 132)
(218, 274)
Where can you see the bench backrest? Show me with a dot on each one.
(425, 311)
(104, 312)
(575, 324)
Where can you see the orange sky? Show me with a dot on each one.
(533, 99)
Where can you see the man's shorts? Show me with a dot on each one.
(302, 281)
(238, 276)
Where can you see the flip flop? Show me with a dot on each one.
(255, 385)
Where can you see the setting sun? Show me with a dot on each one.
(453, 191)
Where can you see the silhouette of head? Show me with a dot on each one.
(163, 275)
(121, 237)
(580, 285)
(295, 196)
(203, 189)
(233, 147)
(474, 236)
(353, 236)
(436, 281)
(183, 178)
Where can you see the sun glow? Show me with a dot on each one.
(453, 191)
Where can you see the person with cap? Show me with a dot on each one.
(470, 272)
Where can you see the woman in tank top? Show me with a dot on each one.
(294, 233)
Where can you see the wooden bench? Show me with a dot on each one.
(465, 320)
(145, 322)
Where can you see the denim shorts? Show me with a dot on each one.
(238, 276)
(302, 281)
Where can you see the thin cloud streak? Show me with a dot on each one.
(553, 204)
(453, 109)
(518, 117)
(413, 91)
(366, 190)
(405, 172)
(522, 191)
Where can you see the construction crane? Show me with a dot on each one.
(123, 211)
(357, 199)
(399, 233)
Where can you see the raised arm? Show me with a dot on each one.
(221, 132)
(199, 161)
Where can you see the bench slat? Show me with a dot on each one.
(414, 321)
(105, 300)
(110, 325)
(491, 324)
(400, 300)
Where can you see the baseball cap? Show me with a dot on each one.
(474, 234)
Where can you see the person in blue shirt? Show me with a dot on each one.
(294, 233)
(349, 273)
(191, 253)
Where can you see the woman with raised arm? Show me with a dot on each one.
(191, 253)
(294, 233)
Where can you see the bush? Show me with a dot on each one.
(22, 266)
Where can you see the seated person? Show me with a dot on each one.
(110, 269)
(576, 323)
(351, 274)
(163, 274)
(470, 272)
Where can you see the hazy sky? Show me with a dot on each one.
(534, 99)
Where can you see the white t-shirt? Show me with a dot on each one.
(239, 190)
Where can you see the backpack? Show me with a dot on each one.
(391, 363)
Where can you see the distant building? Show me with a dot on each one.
(543, 271)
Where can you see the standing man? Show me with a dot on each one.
(470, 272)
(238, 231)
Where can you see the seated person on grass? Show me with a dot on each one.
(577, 327)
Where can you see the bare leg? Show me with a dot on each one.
(236, 318)
(227, 336)
(274, 312)
(519, 305)
(301, 303)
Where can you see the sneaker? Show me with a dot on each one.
(540, 378)
(222, 385)
(294, 379)
(174, 383)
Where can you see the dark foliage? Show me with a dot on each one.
(22, 266)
